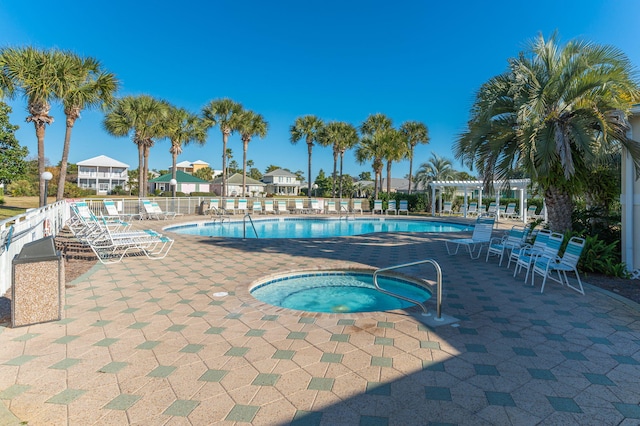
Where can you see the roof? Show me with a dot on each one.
(236, 178)
(280, 172)
(103, 161)
(513, 183)
(183, 164)
(200, 162)
(181, 177)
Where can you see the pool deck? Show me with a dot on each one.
(158, 343)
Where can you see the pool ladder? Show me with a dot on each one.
(244, 226)
(408, 299)
(346, 213)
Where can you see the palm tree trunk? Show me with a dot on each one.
(40, 136)
(335, 167)
(245, 146)
(410, 169)
(309, 150)
(225, 138)
(174, 161)
(375, 184)
(388, 178)
(140, 168)
(65, 158)
(559, 207)
(341, 159)
(145, 175)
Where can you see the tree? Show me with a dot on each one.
(307, 127)
(364, 176)
(223, 113)
(12, 155)
(436, 168)
(396, 148)
(144, 116)
(550, 113)
(371, 146)
(39, 75)
(87, 86)
(205, 173)
(255, 173)
(416, 133)
(271, 168)
(250, 124)
(340, 136)
(182, 128)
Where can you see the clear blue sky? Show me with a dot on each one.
(339, 60)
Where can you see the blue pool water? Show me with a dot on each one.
(313, 228)
(338, 292)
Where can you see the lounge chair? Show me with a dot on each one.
(299, 206)
(230, 205)
(344, 207)
(447, 207)
(531, 213)
(501, 211)
(114, 214)
(404, 207)
(163, 214)
(473, 209)
(391, 207)
(268, 207)
(480, 237)
(257, 208)
(315, 207)
(242, 205)
(282, 207)
(331, 207)
(539, 241)
(510, 211)
(567, 263)
(513, 240)
(492, 210)
(548, 251)
(357, 206)
(377, 207)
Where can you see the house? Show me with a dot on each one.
(282, 182)
(192, 167)
(102, 174)
(186, 183)
(234, 186)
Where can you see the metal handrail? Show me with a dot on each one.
(346, 210)
(408, 299)
(244, 226)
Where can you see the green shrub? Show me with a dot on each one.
(22, 188)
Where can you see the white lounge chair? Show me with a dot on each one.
(230, 205)
(257, 207)
(113, 213)
(531, 213)
(344, 207)
(268, 207)
(480, 237)
(447, 207)
(404, 207)
(510, 211)
(567, 263)
(299, 206)
(391, 207)
(357, 206)
(282, 207)
(163, 214)
(513, 240)
(242, 205)
(315, 206)
(377, 207)
(473, 209)
(549, 251)
(112, 247)
(331, 208)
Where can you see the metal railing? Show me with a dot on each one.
(408, 299)
(244, 226)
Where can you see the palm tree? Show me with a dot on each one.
(39, 75)
(182, 128)
(144, 116)
(434, 169)
(223, 113)
(88, 86)
(347, 139)
(371, 130)
(307, 127)
(396, 148)
(415, 132)
(340, 136)
(250, 124)
(550, 113)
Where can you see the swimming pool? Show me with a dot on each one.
(338, 292)
(313, 228)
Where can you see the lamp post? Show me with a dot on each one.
(315, 189)
(46, 176)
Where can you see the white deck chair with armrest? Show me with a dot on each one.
(510, 211)
(567, 263)
(537, 246)
(230, 205)
(331, 207)
(268, 207)
(357, 206)
(548, 251)
(257, 207)
(242, 205)
(480, 237)
(447, 207)
(391, 207)
(404, 207)
(344, 207)
(377, 207)
(512, 240)
(162, 213)
(114, 214)
(315, 206)
(299, 206)
(282, 207)
(473, 209)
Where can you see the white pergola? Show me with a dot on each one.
(513, 184)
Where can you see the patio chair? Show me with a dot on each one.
(299, 206)
(501, 211)
(268, 207)
(256, 208)
(567, 263)
(480, 237)
(282, 207)
(539, 241)
(391, 207)
(512, 240)
(315, 207)
(356, 206)
(531, 213)
(163, 214)
(331, 207)
(510, 212)
(230, 205)
(404, 207)
(548, 251)
(377, 207)
(473, 209)
(242, 205)
(492, 210)
(344, 207)
(447, 207)
(114, 214)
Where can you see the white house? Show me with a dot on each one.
(185, 183)
(630, 200)
(102, 174)
(281, 182)
(234, 186)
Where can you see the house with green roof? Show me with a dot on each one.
(186, 183)
(234, 186)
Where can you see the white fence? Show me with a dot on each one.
(25, 228)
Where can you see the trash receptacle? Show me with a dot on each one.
(204, 207)
(38, 284)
